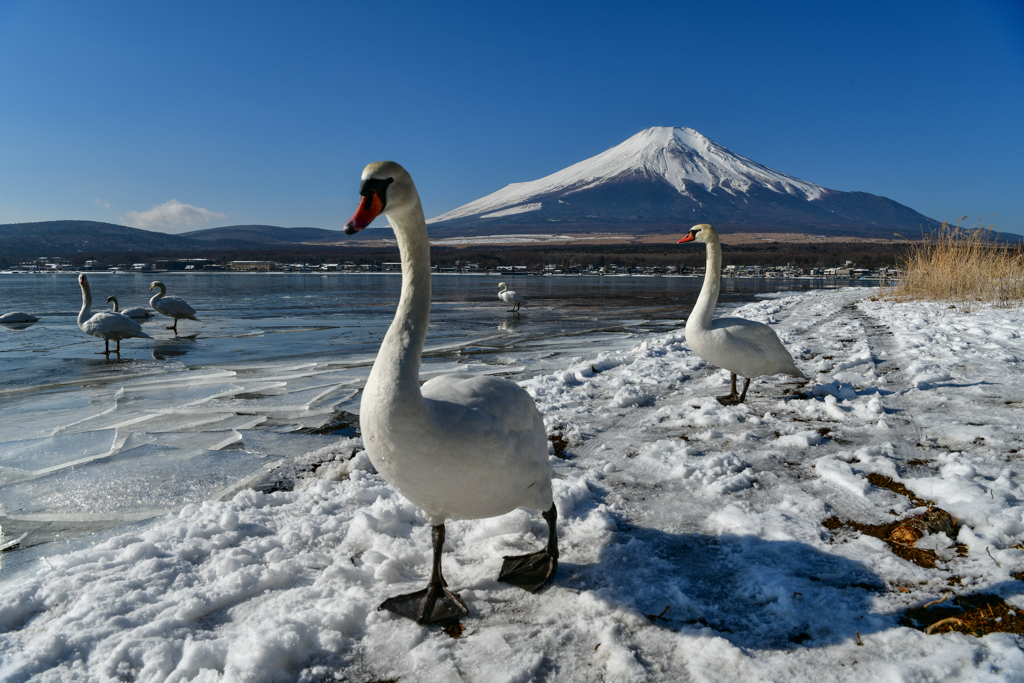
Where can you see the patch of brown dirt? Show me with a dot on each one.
(975, 615)
(559, 443)
(884, 482)
(901, 535)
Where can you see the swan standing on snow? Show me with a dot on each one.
(457, 447)
(134, 312)
(171, 306)
(17, 317)
(743, 347)
(510, 297)
(106, 325)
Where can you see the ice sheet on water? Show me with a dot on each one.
(213, 441)
(285, 445)
(289, 401)
(133, 404)
(153, 423)
(46, 452)
(149, 477)
(35, 416)
(317, 374)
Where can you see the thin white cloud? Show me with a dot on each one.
(104, 204)
(172, 214)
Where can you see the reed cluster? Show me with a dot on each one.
(966, 267)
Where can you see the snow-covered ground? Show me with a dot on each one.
(691, 534)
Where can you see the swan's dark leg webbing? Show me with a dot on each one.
(534, 571)
(435, 603)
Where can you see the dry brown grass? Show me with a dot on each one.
(963, 266)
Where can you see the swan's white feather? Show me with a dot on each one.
(173, 307)
(17, 317)
(112, 326)
(746, 347)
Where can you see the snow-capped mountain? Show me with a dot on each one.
(664, 178)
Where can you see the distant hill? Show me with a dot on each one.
(254, 235)
(667, 179)
(65, 238)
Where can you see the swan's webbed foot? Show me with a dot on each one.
(432, 605)
(530, 572)
(534, 571)
(435, 603)
(733, 398)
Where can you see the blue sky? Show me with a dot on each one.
(266, 113)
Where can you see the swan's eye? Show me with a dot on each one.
(378, 186)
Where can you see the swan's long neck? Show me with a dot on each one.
(86, 311)
(113, 300)
(705, 306)
(396, 372)
(161, 290)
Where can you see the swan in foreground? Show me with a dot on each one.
(17, 317)
(457, 447)
(743, 347)
(106, 325)
(510, 297)
(171, 306)
(134, 312)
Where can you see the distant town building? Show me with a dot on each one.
(253, 265)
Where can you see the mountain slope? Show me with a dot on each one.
(264, 235)
(60, 238)
(662, 177)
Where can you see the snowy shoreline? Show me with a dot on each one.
(669, 500)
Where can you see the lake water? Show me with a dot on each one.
(89, 444)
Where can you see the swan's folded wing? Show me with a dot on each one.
(501, 399)
(173, 304)
(751, 348)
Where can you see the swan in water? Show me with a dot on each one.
(510, 297)
(171, 306)
(134, 312)
(17, 317)
(743, 347)
(457, 447)
(106, 325)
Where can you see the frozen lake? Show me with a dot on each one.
(272, 372)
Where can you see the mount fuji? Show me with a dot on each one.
(664, 180)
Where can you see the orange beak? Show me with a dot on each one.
(689, 238)
(369, 208)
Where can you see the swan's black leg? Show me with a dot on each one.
(746, 383)
(534, 571)
(435, 603)
(733, 398)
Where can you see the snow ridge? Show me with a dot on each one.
(680, 156)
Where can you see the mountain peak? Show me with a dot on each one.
(665, 176)
(681, 157)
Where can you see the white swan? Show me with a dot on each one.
(106, 325)
(743, 347)
(171, 306)
(17, 317)
(134, 312)
(510, 297)
(458, 448)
